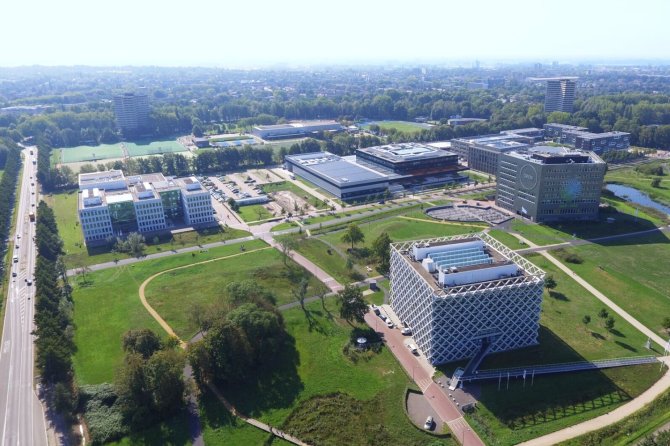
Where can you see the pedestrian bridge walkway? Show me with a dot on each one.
(532, 370)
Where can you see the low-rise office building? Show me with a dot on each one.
(483, 152)
(295, 129)
(111, 205)
(551, 183)
(465, 296)
(376, 170)
(555, 131)
(596, 142)
(530, 135)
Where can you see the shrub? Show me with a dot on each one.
(102, 413)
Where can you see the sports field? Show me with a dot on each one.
(401, 126)
(119, 150)
(90, 153)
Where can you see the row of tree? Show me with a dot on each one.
(54, 329)
(11, 166)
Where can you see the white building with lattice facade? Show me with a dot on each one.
(463, 293)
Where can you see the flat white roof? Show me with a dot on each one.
(119, 198)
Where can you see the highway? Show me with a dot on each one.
(22, 419)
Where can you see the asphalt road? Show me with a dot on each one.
(22, 419)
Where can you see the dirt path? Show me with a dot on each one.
(155, 314)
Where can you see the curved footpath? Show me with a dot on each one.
(187, 370)
(639, 402)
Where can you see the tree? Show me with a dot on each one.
(197, 131)
(656, 182)
(164, 382)
(353, 235)
(142, 341)
(586, 319)
(352, 305)
(550, 282)
(381, 250)
(322, 291)
(301, 292)
(609, 323)
(287, 245)
(666, 323)
(603, 313)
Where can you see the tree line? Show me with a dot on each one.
(54, 328)
(10, 159)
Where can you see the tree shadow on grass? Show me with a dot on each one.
(558, 296)
(626, 346)
(173, 431)
(274, 384)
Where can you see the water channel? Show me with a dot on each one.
(635, 196)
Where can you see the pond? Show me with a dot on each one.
(635, 196)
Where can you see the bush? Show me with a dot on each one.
(102, 413)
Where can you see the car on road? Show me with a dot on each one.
(406, 331)
(412, 348)
(15, 259)
(18, 236)
(13, 273)
(428, 425)
(29, 282)
(389, 323)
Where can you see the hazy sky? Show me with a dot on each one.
(255, 32)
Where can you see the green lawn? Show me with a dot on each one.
(254, 212)
(90, 153)
(146, 148)
(285, 225)
(622, 212)
(77, 254)
(205, 284)
(401, 126)
(110, 305)
(507, 239)
(553, 402)
(316, 366)
(633, 273)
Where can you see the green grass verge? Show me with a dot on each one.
(173, 432)
(109, 305)
(507, 239)
(254, 212)
(77, 254)
(633, 273)
(204, 284)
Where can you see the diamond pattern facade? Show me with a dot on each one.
(448, 323)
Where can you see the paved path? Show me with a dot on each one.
(194, 420)
(440, 402)
(615, 416)
(600, 296)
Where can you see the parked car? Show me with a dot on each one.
(375, 308)
(412, 348)
(382, 316)
(428, 425)
(389, 323)
(406, 331)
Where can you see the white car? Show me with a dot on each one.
(412, 348)
(428, 425)
(390, 323)
(406, 331)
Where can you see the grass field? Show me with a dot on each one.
(629, 176)
(204, 284)
(109, 305)
(372, 409)
(633, 273)
(398, 228)
(90, 153)
(506, 239)
(251, 212)
(553, 402)
(625, 222)
(401, 126)
(77, 254)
